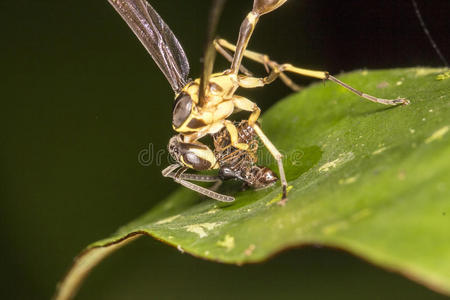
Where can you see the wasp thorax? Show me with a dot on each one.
(181, 109)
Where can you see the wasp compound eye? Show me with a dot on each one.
(181, 109)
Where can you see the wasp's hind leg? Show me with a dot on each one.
(280, 68)
(234, 136)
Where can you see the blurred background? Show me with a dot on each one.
(81, 98)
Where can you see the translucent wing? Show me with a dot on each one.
(157, 38)
(210, 52)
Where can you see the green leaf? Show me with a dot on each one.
(366, 178)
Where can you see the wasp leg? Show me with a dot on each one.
(247, 105)
(207, 130)
(179, 178)
(234, 136)
(326, 76)
(253, 82)
(229, 57)
(260, 7)
(221, 44)
(214, 128)
(264, 59)
(278, 157)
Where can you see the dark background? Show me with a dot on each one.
(80, 98)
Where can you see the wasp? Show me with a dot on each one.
(202, 106)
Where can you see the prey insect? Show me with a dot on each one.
(241, 164)
(202, 106)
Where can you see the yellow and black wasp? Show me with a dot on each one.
(202, 106)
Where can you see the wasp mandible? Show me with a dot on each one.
(202, 106)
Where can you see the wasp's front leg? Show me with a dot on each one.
(243, 103)
(234, 136)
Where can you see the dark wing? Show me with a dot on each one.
(157, 38)
(210, 52)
